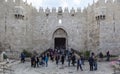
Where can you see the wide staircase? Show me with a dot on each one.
(5, 67)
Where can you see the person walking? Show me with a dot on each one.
(101, 56)
(79, 64)
(69, 60)
(91, 62)
(46, 60)
(43, 60)
(108, 56)
(22, 57)
(37, 61)
(33, 61)
(57, 59)
(82, 59)
(95, 63)
(62, 59)
(73, 60)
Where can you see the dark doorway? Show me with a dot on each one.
(60, 43)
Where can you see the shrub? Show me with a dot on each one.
(77, 52)
(87, 54)
(27, 53)
(111, 56)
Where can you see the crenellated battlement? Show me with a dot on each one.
(98, 8)
(60, 10)
(109, 1)
(16, 2)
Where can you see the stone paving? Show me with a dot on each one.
(103, 68)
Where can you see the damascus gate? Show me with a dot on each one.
(60, 39)
(95, 28)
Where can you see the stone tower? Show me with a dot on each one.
(94, 28)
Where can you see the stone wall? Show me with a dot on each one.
(84, 31)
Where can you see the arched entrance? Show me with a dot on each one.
(60, 39)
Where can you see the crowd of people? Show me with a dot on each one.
(61, 56)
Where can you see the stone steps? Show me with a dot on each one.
(6, 67)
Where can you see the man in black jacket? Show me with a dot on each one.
(91, 62)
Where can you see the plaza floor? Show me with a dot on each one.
(25, 68)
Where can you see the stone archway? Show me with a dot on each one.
(60, 39)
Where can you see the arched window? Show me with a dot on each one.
(60, 21)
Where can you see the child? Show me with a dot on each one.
(79, 64)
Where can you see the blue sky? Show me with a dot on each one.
(60, 3)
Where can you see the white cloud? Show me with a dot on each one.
(77, 1)
(64, 3)
(38, 3)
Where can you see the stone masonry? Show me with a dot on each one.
(97, 27)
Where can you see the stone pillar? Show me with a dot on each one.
(2, 56)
